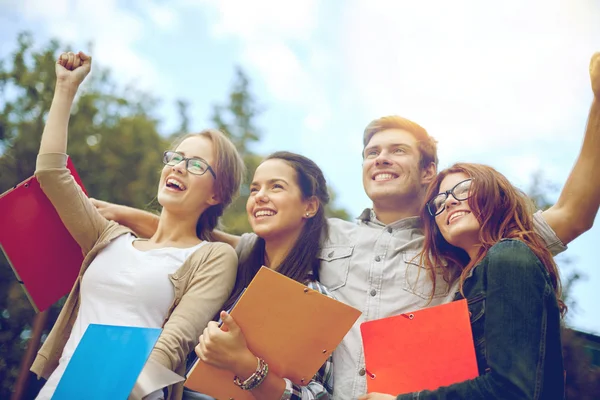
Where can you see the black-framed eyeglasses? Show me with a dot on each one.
(194, 165)
(461, 191)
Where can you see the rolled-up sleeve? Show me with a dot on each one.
(541, 227)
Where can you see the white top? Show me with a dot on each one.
(122, 286)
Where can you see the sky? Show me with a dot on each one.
(503, 83)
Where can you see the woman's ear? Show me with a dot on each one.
(213, 200)
(311, 207)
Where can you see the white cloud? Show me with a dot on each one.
(476, 73)
(279, 49)
(161, 15)
(113, 31)
(263, 19)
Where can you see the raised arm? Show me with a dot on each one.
(576, 208)
(76, 212)
(71, 70)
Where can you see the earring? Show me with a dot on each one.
(307, 215)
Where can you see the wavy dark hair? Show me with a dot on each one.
(503, 212)
(301, 263)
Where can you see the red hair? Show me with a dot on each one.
(502, 211)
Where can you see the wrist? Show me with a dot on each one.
(246, 365)
(64, 88)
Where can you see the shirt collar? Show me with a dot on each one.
(368, 217)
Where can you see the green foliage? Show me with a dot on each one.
(236, 117)
(582, 378)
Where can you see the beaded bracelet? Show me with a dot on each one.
(256, 378)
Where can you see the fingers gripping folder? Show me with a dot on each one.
(421, 350)
(293, 328)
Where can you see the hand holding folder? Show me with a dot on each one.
(422, 350)
(293, 328)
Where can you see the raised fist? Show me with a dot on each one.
(595, 74)
(72, 68)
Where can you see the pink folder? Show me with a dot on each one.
(42, 253)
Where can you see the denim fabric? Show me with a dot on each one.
(516, 330)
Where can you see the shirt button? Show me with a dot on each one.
(361, 372)
(377, 258)
(330, 254)
(373, 292)
(389, 229)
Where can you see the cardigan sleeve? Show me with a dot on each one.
(76, 211)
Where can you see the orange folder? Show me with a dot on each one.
(294, 328)
(422, 350)
(42, 253)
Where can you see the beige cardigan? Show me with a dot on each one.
(202, 284)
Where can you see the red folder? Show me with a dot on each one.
(42, 253)
(422, 350)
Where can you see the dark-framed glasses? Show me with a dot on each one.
(461, 191)
(194, 165)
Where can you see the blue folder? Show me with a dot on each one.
(106, 363)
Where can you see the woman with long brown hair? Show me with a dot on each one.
(479, 231)
(175, 280)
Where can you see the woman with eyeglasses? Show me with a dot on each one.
(175, 280)
(479, 228)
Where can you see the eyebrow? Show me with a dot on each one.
(194, 157)
(270, 181)
(393, 145)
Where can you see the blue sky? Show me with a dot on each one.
(504, 84)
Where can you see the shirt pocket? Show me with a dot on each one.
(417, 280)
(335, 263)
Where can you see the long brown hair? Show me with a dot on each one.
(503, 212)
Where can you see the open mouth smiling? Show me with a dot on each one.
(384, 176)
(174, 184)
(264, 212)
(455, 215)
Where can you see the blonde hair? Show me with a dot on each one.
(427, 144)
(229, 170)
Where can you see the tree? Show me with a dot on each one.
(237, 118)
(113, 141)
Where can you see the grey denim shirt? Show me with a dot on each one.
(372, 267)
